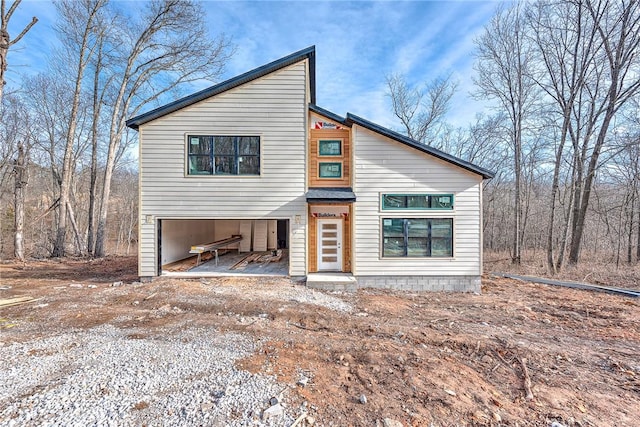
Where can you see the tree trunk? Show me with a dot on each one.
(578, 230)
(4, 50)
(21, 181)
(517, 150)
(555, 187)
(84, 51)
(92, 196)
(94, 167)
(5, 38)
(638, 240)
(97, 107)
(565, 232)
(630, 215)
(61, 226)
(74, 226)
(101, 231)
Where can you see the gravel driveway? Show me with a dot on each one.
(179, 374)
(107, 376)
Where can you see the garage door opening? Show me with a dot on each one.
(222, 247)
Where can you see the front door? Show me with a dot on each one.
(329, 245)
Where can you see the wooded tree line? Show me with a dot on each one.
(562, 129)
(562, 132)
(63, 134)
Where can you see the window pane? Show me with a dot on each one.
(225, 165)
(393, 227)
(442, 202)
(330, 170)
(199, 165)
(393, 247)
(441, 227)
(420, 201)
(199, 145)
(249, 145)
(417, 246)
(418, 227)
(330, 148)
(249, 165)
(393, 201)
(442, 237)
(393, 237)
(224, 145)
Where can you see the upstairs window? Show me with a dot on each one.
(223, 155)
(330, 170)
(330, 147)
(417, 201)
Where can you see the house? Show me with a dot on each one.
(255, 156)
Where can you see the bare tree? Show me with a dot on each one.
(21, 172)
(504, 63)
(170, 40)
(567, 48)
(76, 26)
(101, 84)
(5, 39)
(618, 26)
(421, 110)
(15, 135)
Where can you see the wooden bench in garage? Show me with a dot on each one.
(213, 247)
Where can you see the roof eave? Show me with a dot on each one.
(308, 53)
(328, 114)
(485, 173)
(330, 200)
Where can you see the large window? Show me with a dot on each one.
(223, 155)
(417, 201)
(417, 237)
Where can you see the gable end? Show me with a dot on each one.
(353, 119)
(308, 53)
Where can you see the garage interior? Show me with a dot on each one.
(191, 246)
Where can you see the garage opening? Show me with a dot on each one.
(220, 247)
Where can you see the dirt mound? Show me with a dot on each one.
(519, 354)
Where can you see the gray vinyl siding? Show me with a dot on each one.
(386, 166)
(273, 108)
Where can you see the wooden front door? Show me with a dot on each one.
(329, 245)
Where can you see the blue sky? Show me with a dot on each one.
(357, 45)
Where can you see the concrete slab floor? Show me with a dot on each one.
(227, 260)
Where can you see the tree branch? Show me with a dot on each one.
(24, 31)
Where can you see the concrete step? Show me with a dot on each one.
(329, 281)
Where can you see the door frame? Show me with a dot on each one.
(340, 242)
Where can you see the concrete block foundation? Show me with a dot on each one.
(346, 282)
(422, 283)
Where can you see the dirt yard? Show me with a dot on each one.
(519, 354)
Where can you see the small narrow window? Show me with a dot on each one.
(330, 170)
(330, 147)
(417, 201)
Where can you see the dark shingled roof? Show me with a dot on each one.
(316, 194)
(326, 194)
(351, 119)
(308, 53)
